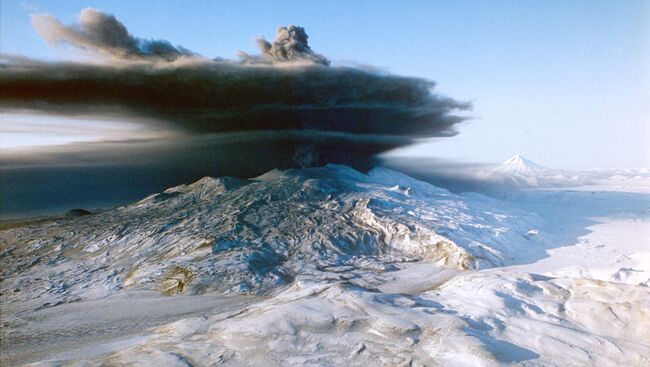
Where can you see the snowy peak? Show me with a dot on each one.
(521, 172)
(520, 165)
(519, 160)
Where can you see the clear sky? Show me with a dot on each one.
(564, 83)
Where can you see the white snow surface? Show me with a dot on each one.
(520, 172)
(329, 266)
(520, 165)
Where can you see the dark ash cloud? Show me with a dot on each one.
(325, 113)
(103, 33)
(290, 44)
(104, 174)
(223, 96)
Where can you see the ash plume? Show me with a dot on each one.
(103, 33)
(290, 44)
(343, 114)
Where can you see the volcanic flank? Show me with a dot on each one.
(317, 266)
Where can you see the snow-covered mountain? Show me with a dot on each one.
(235, 235)
(320, 266)
(521, 172)
(518, 165)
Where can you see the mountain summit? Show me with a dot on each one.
(520, 165)
(520, 171)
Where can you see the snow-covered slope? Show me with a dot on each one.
(627, 179)
(520, 166)
(321, 266)
(520, 172)
(228, 234)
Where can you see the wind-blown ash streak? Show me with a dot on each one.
(53, 179)
(215, 96)
(103, 33)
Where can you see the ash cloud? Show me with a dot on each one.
(290, 44)
(103, 33)
(224, 97)
(325, 113)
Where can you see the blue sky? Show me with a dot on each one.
(565, 83)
